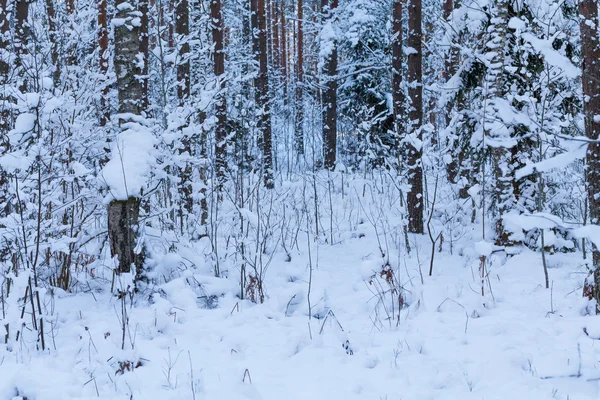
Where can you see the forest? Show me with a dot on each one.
(257, 199)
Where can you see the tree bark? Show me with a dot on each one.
(264, 105)
(284, 54)
(496, 89)
(51, 14)
(588, 10)
(397, 91)
(221, 105)
(22, 40)
(123, 215)
(330, 94)
(182, 29)
(103, 61)
(144, 39)
(300, 81)
(415, 116)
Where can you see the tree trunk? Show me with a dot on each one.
(4, 71)
(221, 105)
(123, 214)
(22, 40)
(182, 29)
(300, 81)
(284, 54)
(51, 13)
(5, 122)
(588, 10)
(264, 106)
(496, 89)
(330, 94)
(415, 116)
(103, 46)
(450, 69)
(144, 39)
(276, 54)
(397, 91)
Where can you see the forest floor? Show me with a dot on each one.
(519, 341)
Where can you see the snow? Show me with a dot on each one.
(195, 339)
(132, 158)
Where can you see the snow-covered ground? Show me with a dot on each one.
(519, 341)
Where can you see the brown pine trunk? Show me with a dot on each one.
(450, 69)
(182, 28)
(415, 116)
(5, 118)
(330, 95)
(71, 9)
(497, 89)
(221, 106)
(284, 53)
(276, 54)
(264, 106)
(123, 215)
(22, 40)
(397, 91)
(588, 10)
(144, 39)
(51, 13)
(103, 46)
(300, 81)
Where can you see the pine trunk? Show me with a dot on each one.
(415, 116)
(103, 62)
(264, 103)
(182, 29)
(300, 81)
(330, 94)
(221, 105)
(588, 10)
(397, 91)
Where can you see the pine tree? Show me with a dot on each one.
(415, 118)
(590, 43)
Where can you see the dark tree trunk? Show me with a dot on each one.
(103, 50)
(276, 53)
(182, 29)
(22, 40)
(5, 122)
(51, 14)
(123, 214)
(284, 53)
(4, 71)
(588, 10)
(264, 106)
(496, 89)
(397, 91)
(144, 39)
(300, 81)
(330, 95)
(221, 106)
(415, 116)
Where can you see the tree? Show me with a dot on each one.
(590, 43)
(299, 121)
(144, 39)
(329, 97)
(221, 105)
(264, 106)
(123, 213)
(182, 29)
(415, 118)
(397, 90)
(103, 61)
(22, 40)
